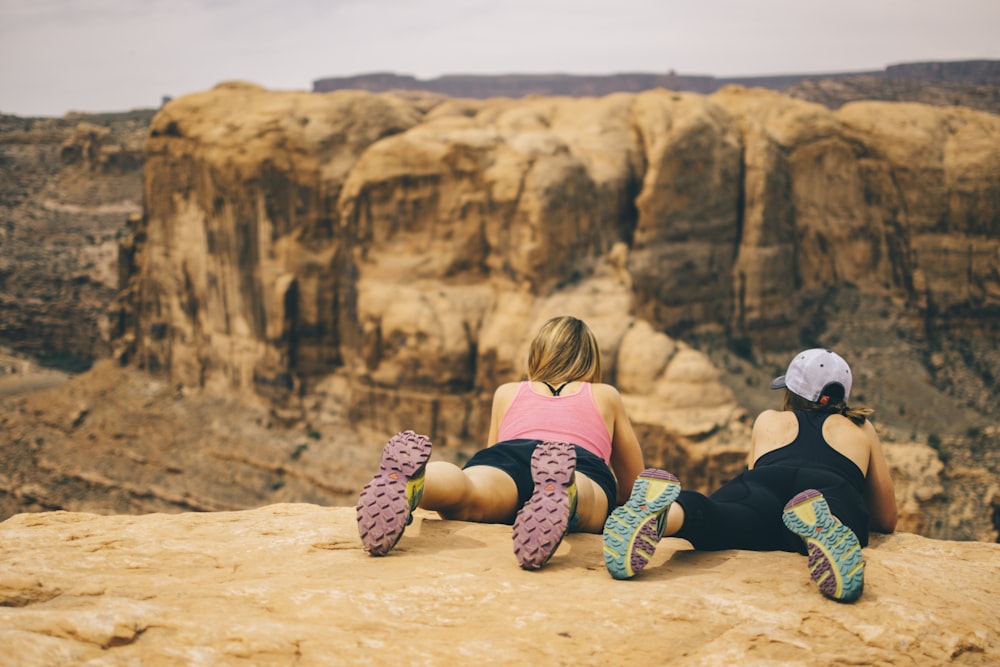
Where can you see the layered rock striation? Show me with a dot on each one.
(66, 187)
(411, 245)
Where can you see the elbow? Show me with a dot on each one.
(886, 523)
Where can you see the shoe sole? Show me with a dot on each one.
(543, 521)
(835, 560)
(631, 532)
(383, 508)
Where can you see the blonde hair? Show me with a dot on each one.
(564, 350)
(857, 415)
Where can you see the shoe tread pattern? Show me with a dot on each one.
(633, 530)
(386, 502)
(542, 522)
(835, 560)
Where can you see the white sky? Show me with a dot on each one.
(115, 55)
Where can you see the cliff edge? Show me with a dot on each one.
(290, 583)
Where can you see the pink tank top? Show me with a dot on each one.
(572, 418)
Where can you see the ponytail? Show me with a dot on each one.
(857, 415)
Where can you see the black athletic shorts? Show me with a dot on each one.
(514, 458)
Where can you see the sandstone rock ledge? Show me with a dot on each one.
(290, 584)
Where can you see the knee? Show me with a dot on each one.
(591, 506)
(463, 512)
(481, 508)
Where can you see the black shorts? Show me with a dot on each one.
(514, 458)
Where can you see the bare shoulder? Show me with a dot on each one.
(505, 393)
(773, 418)
(508, 388)
(502, 398)
(839, 426)
(605, 392)
(772, 429)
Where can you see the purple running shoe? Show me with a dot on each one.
(386, 504)
(543, 521)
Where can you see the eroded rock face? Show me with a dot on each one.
(388, 258)
(290, 237)
(66, 187)
(291, 583)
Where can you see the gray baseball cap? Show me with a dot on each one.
(812, 371)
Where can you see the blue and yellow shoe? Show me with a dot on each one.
(835, 560)
(545, 519)
(385, 507)
(633, 530)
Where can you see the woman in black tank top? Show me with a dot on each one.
(819, 483)
(810, 450)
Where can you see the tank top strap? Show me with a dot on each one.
(555, 390)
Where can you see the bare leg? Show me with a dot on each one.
(479, 493)
(591, 505)
(675, 519)
(489, 495)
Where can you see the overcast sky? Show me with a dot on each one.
(116, 55)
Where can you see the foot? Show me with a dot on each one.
(543, 521)
(633, 530)
(835, 561)
(387, 502)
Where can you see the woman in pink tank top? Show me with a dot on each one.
(562, 455)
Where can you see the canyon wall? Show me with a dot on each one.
(387, 258)
(412, 244)
(66, 186)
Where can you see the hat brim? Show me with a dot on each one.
(778, 383)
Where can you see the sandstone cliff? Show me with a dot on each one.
(290, 584)
(290, 236)
(391, 256)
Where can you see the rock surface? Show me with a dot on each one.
(290, 584)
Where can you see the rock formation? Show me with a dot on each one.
(290, 584)
(412, 245)
(66, 186)
(347, 265)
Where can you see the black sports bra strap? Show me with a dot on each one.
(555, 390)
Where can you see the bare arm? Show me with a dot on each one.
(626, 454)
(751, 459)
(880, 496)
(502, 399)
(771, 429)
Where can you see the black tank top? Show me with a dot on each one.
(810, 450)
